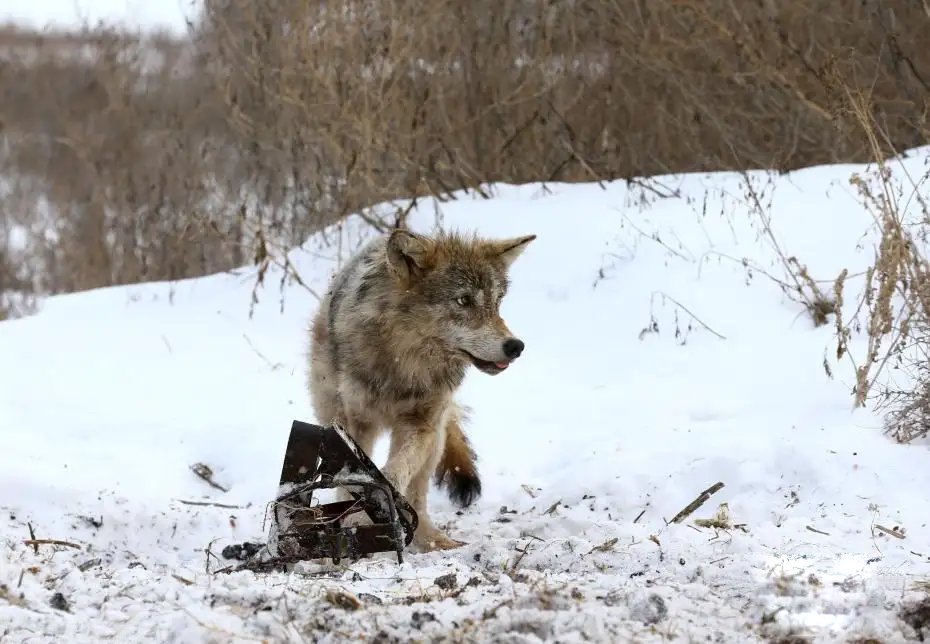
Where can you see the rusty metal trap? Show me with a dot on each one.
(328, 458)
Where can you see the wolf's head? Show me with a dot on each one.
(452, 286)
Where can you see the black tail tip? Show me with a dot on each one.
(463, 489)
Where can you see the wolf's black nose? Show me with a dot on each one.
(513, 348)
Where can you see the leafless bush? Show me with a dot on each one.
(108, 161)
(412, 98)
(894, 305)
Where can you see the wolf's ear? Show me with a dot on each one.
(408, 254)
(508, 250)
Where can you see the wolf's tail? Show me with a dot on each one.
(457, 469)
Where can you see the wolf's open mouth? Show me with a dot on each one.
(486, 365)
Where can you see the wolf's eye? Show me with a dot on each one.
(464, 300)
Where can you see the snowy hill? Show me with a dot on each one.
(657, 364)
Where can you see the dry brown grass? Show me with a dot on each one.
(893, 307)
(896, 296)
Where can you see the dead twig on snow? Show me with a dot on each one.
(35, 543)
(32, 537)
(604, 547)
(205, 472)
(226, 506)
(892, 532)
(688, 311)
(696, 503)
(812, 529)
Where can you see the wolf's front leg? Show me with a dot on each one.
(414, 454)
(427, 537)
(412, 446)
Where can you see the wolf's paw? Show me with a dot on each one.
(428, 541)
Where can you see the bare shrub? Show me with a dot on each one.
(894, 305)
(416, 98)
(107, 156)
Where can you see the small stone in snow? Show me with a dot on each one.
(58, 602)
(419, 618)
(446, 582)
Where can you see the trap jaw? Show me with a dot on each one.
(328, 458)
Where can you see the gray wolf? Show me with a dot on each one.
(394, 336)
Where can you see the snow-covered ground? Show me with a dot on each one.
(657, 365)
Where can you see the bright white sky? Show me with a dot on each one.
(146, 14)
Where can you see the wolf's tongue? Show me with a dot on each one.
(501, 365)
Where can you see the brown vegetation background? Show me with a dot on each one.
(129, 159)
